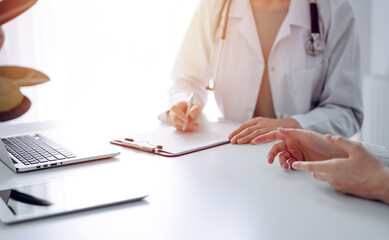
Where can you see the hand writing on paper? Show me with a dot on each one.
(177, 116)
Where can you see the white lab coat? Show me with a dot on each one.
(323, 93)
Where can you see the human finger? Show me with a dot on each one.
(352, 148)
(175, 121)
(178, 112)
(251, 136)
(290, 162)
(294, 133)
(321, 166)
(190, 127)
(174, 117)
(243, 134)
(321, 176)
(194, 111)
(242, 127)
(268, 137)
(283, 158)
(275, 150)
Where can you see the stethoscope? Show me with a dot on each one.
(314, 46)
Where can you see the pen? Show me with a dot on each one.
(189, 104)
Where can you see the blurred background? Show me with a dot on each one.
(111, 60)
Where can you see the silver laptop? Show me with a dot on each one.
(30, 152)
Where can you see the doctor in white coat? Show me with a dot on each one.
(266, 78)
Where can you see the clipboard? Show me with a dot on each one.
(167, 141)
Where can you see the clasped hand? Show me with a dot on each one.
(344, 164)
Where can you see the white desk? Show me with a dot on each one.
(229, 192)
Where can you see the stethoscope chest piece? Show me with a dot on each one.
(315, 45)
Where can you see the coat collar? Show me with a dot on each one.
(298, 15)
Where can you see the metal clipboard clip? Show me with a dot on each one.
(139, 145)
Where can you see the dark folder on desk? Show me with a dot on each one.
(169, 142)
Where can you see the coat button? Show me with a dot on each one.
(272, 69)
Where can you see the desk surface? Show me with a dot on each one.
(229, 192)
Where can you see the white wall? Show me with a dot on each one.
(372, 17)
(106, 59)
(380, 37)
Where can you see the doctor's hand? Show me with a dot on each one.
(177, 116)
(299, 145)
(360, 174)
(249, 130)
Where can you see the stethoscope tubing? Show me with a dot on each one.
(314, 46)
(314, 17)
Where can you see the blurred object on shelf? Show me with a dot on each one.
(12, 102)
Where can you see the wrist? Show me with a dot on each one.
(290, 123)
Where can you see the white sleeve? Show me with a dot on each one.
(190, 71)
(340, 109)
(379, 152)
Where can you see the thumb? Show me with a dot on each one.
(348, 146)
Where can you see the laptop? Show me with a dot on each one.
(29, 152)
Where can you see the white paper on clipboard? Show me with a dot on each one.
(175, 142)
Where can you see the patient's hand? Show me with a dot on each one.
(360, 174)
(299, 145)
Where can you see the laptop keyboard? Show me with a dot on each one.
(35, 149)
